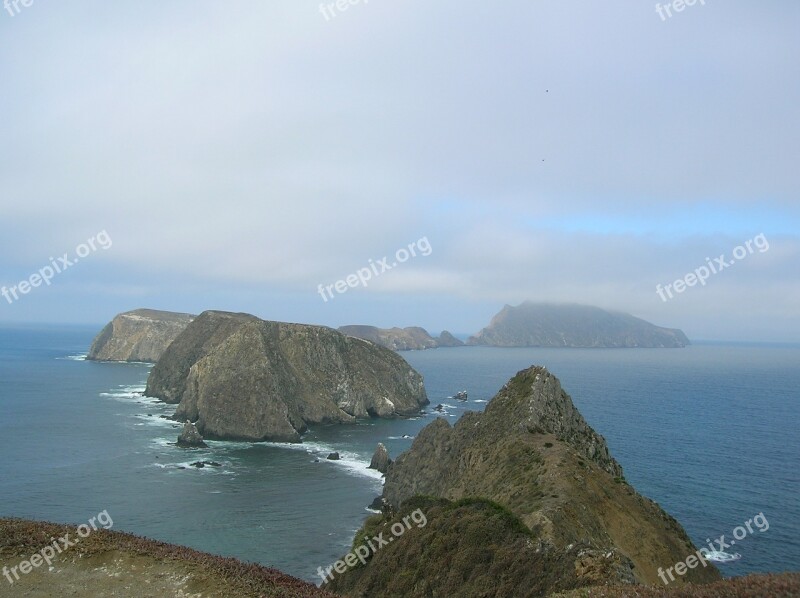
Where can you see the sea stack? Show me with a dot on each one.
(380, 459)
(190, 437)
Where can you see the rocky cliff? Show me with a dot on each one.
(139, 335)
(412, 338)
(533, 456)
(242, 378)
(551, 325)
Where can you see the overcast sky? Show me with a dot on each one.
(240, 154)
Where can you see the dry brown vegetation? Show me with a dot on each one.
(109, 563)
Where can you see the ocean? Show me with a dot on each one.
(710, 432)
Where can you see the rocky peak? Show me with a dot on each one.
(533, 400)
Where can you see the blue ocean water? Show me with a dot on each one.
(710, 432)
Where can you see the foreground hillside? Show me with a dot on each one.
(785, 585)
(523, 495)
(109, 563)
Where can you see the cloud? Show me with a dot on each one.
(560, 151)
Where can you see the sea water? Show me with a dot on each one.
(710, 432)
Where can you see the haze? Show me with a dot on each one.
(240, 154)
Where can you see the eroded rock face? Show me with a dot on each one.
(532, 452)
(242, 378)
(380, 459)
(139, 335)
(564, 325)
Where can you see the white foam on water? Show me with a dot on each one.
(717, 556)
(122, 397)
(156, 421)
(350, 461)
(133, 387)
(164, 442)
(480, 401)
(78, 357)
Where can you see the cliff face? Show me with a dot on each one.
(533, 453)
(242, 378)
(139, 335)
(549, 325)
(412, 338)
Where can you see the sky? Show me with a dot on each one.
(246, 155)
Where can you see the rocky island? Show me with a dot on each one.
(530, 475)
(567, 325)
(138, 335)
(238, 377)
(412, 338)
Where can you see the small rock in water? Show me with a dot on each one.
(377, 504)
(380, 459)
(333, 457)
(190, 437)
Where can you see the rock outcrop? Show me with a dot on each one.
(190, 437)
(412, 338)
(530, 461)
(448, 340)
(242, 378)
(551, 325)
(380, 459)
(138, 335)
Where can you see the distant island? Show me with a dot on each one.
(242, 378)
(402, 339)
(578, 326)
(138, 335)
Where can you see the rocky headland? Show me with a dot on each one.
(524, 495)
(412, 338)
(238, 377)
(580, 326)
(138, 335)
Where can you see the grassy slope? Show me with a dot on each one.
(109, 563)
